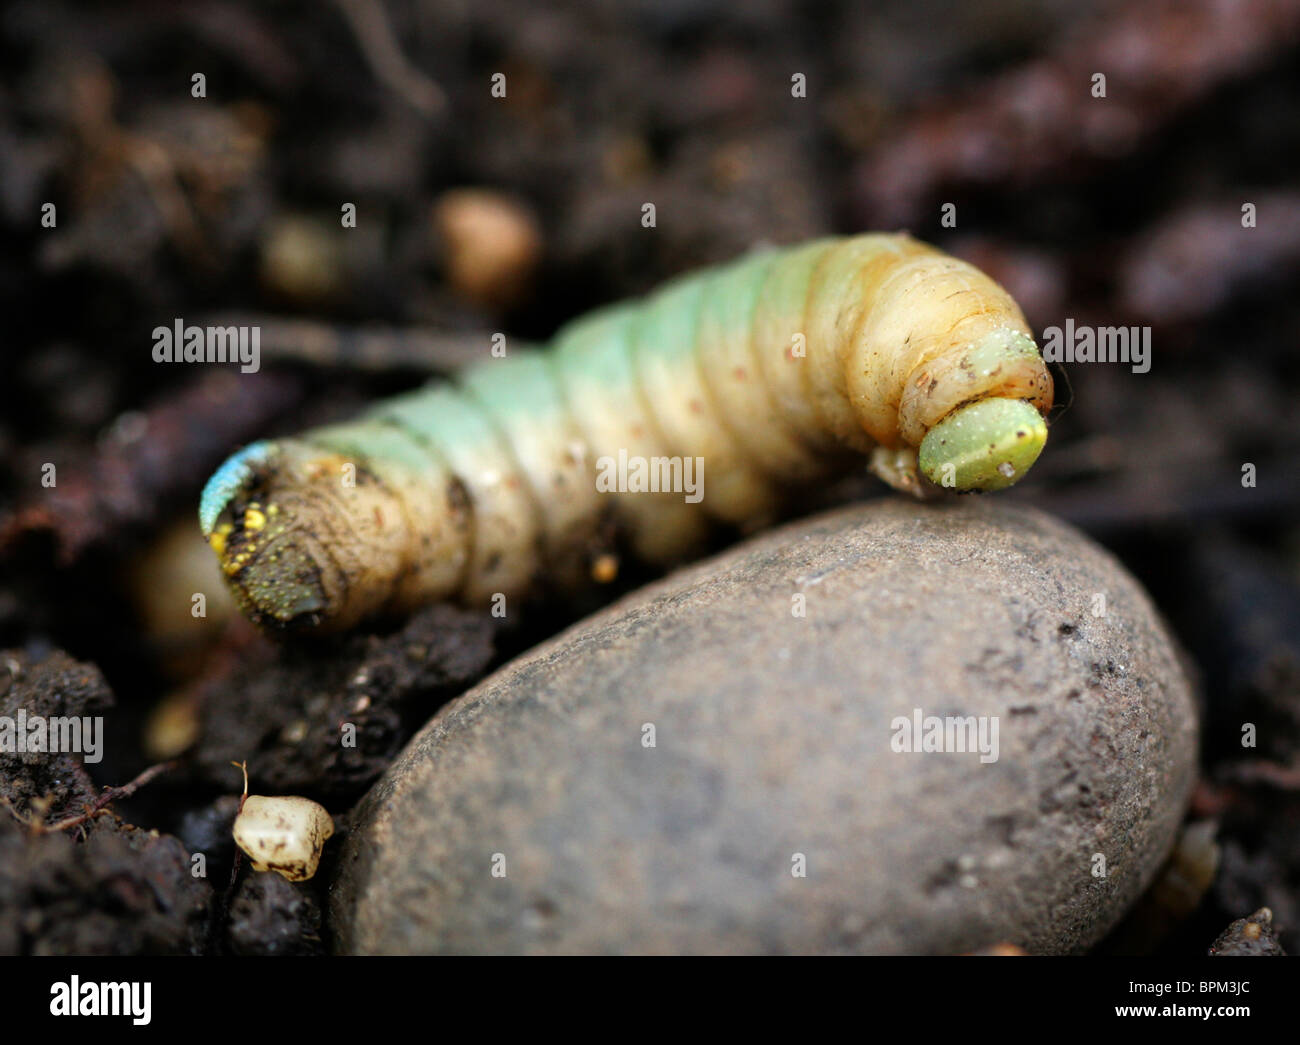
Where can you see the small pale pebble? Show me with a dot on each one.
(284, 834)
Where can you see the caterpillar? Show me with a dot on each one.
(773, 370)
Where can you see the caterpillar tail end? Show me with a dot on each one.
(275, 572)
(986, 445)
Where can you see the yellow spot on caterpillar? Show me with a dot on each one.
(217, 539)
(254, 519)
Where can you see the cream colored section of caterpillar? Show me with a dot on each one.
(770, 370)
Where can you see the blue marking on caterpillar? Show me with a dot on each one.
(227, 480)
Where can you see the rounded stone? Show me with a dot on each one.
(713, 764)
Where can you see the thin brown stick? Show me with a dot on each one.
(234, 870)
(99, 806)
(369, 23)
(371, 348)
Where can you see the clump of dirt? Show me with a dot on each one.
(209, 830)
(325, 720)
(272, 916)
(34, 690)
(1249, 937)
(103, 888)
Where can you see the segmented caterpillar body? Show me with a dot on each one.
(769, 370)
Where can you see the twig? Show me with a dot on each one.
(1284, 778)
(1040, 119)
(110, 795)
(150, 458)
(222, 908)
(1199, 257)
(370, 348)
(234, 870)
(369, 22)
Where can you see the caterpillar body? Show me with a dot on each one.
(770, 370)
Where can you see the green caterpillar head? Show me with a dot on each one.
(985, 445)
(975, 411)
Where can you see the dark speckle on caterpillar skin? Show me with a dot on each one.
(458, 499)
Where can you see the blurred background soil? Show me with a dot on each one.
(478, 214)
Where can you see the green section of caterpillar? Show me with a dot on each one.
(768, 372)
